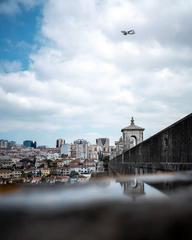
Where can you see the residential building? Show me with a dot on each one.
(60, 163)
(66, 150)
(6, 174)
(45, 171)
(32, 172)
(6, 163)
(57, 171)
(81, 149)
(93, 152)
(16, 174)
(59, 142)
(103, 143)
(3, 144)
(73, 151)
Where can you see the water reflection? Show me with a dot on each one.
(126, 189)
(138, 190)
(133, 187)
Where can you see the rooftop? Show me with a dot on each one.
(132, 126)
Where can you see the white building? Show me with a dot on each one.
(93, 152)
(16, 174)
(66, 149)
(52, 156)
(81, 149)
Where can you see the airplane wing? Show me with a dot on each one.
(131, 31)
(124, 32)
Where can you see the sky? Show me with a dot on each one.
(66, 71)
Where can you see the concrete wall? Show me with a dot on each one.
(168, 150)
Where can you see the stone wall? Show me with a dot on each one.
(168, 150)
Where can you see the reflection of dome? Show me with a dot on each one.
(133, 187)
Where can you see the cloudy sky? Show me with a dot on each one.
(67, 71)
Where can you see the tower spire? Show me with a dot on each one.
(132, 121)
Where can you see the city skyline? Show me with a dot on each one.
(67, 71)
(57, 144)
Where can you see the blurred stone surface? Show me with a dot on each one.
(104, 218)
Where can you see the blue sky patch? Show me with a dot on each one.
(18, 35)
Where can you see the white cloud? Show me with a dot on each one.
(87, 74)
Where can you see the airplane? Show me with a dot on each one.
(131, 32)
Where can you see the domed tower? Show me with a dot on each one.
(132, 135)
